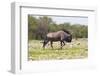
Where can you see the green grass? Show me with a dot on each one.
(77, 49)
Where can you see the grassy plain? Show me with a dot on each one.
(77, 49)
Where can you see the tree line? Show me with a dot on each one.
(39, 27)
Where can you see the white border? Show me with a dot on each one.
(19, 39)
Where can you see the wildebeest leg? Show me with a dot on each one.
(44, 43)
(51, 44)
(62, 44)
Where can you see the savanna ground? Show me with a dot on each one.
(77, 49)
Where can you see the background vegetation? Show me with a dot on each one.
(39, 27)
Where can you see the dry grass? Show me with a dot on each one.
(75, 50)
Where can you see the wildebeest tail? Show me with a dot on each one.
(45, 39)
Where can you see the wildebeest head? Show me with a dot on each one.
(68, 38)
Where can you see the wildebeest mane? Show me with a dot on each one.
(66, 31)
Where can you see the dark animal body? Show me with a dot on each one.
(61, 36)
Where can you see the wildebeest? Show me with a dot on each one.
(62, 35)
